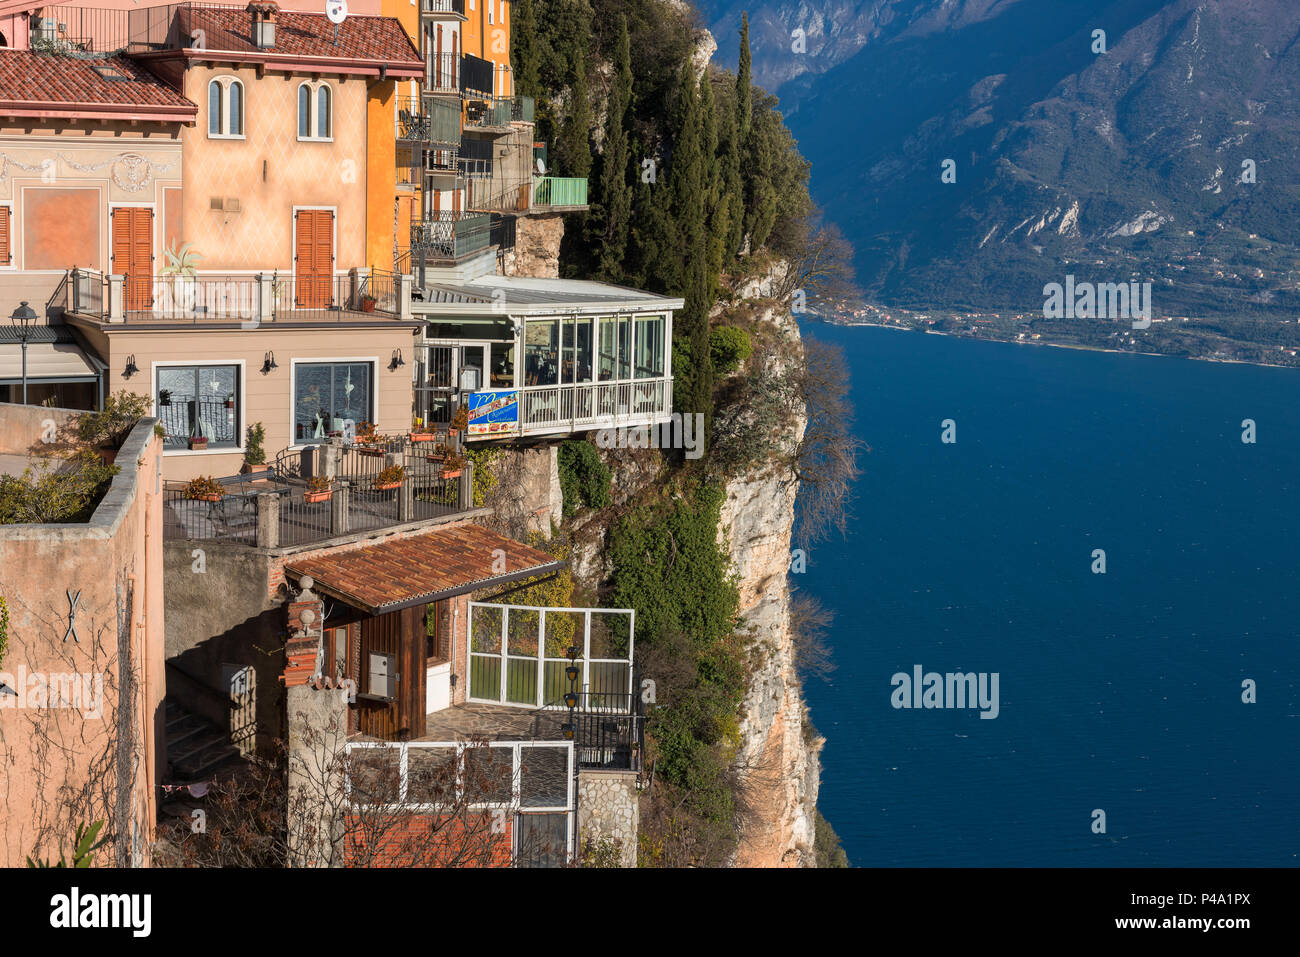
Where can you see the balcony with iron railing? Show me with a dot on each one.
(447, 237)
(442, 73)
(428, 119)
(247, 301)
(438, 9)
(497, 114)
(278, 507)
(559, 192)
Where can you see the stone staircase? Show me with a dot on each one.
(194, 746)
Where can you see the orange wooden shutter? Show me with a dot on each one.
(6, 248)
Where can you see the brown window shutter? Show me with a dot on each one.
(6, 248)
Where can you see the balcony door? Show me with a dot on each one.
(133, 254)
(313, 247)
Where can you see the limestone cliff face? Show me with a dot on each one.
(537, 247)
(779, 769)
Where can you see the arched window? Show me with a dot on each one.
(304, 112)
(315, 111)
(225, 108)
(323, 112)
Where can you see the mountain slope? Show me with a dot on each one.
(1118, 166)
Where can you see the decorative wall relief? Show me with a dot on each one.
(129, 171)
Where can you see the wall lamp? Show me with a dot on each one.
(131, 368)
(398, 361)
(268, 363)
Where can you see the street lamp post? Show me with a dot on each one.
(22, 318)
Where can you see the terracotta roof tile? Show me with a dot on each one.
(420, 569)
(230, 29)
(40, 78)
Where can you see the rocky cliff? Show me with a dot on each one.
(779, 768)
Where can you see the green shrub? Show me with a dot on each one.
(254, 453)
(730, 347)
(584, 478)
(113, 423)
(826, 845)
(55, 490)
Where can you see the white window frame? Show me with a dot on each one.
(313, 112)
(226, 82)
(295, 361)
(242, 407)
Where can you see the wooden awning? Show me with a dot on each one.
(419, 569)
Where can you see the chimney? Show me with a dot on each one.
(263, 15)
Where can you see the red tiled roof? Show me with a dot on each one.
(297, 35)
(43, 84)
(412, 571)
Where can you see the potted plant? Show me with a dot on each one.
(203, 489)
(319, 489)
(419, 433)
(390, 478)
(164, 397)
(459, 421)
(368, 440)
(198, 442)
(453, 465)
(230, 400)
(180, 268)
(368, 303)
(254, 452)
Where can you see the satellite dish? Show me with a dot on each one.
(336, 10)
(541, 171)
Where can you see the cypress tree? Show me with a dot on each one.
(744, 95)
(526, 53)
(693, 379)
(610, 219)
(574, 137)
(715, 210)
(731, 223)
(744, 129)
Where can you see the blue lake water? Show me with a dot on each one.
(1119, 691)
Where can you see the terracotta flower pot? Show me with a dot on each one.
(198, 444)
(451, 473)
(387, 486)
(320, 496)
(208, 497)
(370, 451)
(421, 436)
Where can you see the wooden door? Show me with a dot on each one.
(133, 254)
(400, 634)
(314, 258)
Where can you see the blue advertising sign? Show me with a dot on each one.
(494, 412)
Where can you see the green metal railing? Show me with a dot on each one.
(559, 191)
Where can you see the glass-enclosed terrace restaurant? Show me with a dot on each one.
(544, 356)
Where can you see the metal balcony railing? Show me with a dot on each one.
(428, 119)
(476, 75)
(449, 236)
(436, 7)
(559, 191)
(442, 72)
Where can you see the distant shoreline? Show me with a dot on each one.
(1056, 345)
